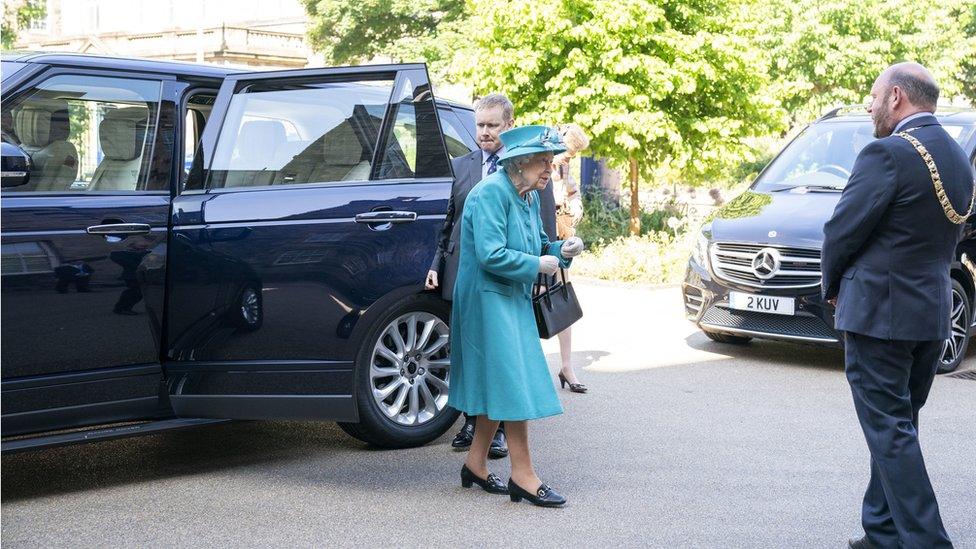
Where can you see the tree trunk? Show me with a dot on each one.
(634, 199)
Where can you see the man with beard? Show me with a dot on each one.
(886, 258)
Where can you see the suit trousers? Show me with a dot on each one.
(890, 381)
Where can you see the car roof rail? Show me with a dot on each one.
(836, 111)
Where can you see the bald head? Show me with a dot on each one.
(901, 91)
(915, 82)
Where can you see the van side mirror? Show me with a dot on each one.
(15, 165)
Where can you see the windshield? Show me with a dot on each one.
(823, 155)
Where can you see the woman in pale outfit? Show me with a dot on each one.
(498, 370)
(569, 212)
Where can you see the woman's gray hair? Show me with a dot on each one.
(496, 100)
(515, 165)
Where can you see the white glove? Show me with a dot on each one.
(548, 265)
(572, 247)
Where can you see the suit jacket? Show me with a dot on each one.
(888, 247)
(467, 174)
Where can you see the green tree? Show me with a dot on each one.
(352, 31)
(828, 54)
(658, 84)
(967, 69)
(18, 14)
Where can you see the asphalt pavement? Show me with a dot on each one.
(681, 442)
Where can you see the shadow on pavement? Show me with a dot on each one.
(773, 352)
(187, 452)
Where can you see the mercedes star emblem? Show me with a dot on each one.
(766, 263)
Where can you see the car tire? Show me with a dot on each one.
(728, 339)
(382, 421)
(960, 319)
(248, 312)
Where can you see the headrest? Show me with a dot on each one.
(257, 143)
(41, 122)
(122, 133)
(341, 147)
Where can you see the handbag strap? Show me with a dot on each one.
(950, 212)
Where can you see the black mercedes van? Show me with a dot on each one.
(755, 268)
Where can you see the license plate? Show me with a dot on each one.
(762, 303)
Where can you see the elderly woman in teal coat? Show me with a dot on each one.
(498, 370)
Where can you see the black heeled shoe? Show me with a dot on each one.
(574, 387)
(545, 496)
(492, 485)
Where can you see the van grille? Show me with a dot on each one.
(798, 267)
(803, 326)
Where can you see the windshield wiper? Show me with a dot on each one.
(810, 187)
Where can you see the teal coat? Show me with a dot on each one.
(497, 364)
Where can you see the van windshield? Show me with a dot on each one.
(823, 154)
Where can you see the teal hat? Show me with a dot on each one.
(530, 140)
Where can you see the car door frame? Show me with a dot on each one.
(337, 407)
(50, 387)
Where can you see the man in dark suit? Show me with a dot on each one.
(886, 258)
(493, 115)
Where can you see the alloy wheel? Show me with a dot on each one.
(410, 368)
(958, 322)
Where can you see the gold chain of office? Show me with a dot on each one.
(950, 212)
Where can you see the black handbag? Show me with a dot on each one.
(556, 307)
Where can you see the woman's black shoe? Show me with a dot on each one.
(493, 485)
(544, 496)
(574, 387)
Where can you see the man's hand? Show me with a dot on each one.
(572, 247)
(548, 265)
(832, 302)
(431, 280)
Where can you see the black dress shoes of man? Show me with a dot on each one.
(499, 447)
(492, 485)
(862, 543)
(545, 496)
(462, 441)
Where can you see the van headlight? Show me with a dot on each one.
(700, 252)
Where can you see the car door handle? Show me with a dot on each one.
(119, 229)
(386, 217)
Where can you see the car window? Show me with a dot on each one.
(10, 68)
(414, 147)
(86, 133)
(296, 133)
(456, 137)
(824, 154)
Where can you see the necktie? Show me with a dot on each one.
(492, 163)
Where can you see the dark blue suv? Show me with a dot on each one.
(755, 269)
(185, 243)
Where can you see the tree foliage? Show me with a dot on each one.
(967, 69)
(351, 31)
(681, 85)
(18, 14)
(664, 81)
(828, 54)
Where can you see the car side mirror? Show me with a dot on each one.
(16, 165)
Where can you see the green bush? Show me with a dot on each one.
(605, 220)
(658, 256)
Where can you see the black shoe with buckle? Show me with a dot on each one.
(545, 496)
(492, 485)
(462, 441)
(499, 447)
